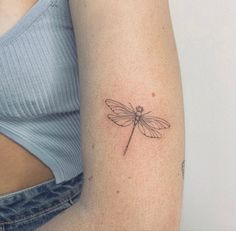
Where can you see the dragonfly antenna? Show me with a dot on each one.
(131, 105)
(146, 113)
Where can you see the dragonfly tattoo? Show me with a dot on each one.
(128, 115)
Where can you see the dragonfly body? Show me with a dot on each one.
(124, 116)
(138, 114)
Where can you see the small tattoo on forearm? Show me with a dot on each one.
(182, 167)
(124, 116)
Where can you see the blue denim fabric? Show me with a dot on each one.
(30, 208)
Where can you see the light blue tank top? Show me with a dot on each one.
(39, 87)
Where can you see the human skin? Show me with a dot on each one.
(126, 52)
(12, 11)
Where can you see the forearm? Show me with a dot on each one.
(127, 53)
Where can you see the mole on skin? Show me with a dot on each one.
(153, 94)
(93, 145)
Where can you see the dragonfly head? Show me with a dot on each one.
(139, 109)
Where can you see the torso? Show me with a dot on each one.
(19, 168)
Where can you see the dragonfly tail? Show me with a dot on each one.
(132, 132)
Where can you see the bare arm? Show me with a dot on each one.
(127, 53)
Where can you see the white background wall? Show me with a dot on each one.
(205, 32)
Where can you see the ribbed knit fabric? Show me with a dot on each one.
(39, 87)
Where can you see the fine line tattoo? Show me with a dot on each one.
(125, 116)
(182, 168)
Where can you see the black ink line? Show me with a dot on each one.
(132, 132)
(182, 168)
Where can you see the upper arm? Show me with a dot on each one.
(126, 52)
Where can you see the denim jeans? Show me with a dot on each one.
(30, 208)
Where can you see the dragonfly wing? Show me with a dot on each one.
(122, 120)
(148, 130)
(119, 108)
(156, 122)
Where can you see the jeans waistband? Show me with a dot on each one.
(31, 201)
(35, 189)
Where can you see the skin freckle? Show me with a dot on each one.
(153, 94)
(93, 145)
(117, 191)
(90, 178)
(129, 177)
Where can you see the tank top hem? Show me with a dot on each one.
(42, 154)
